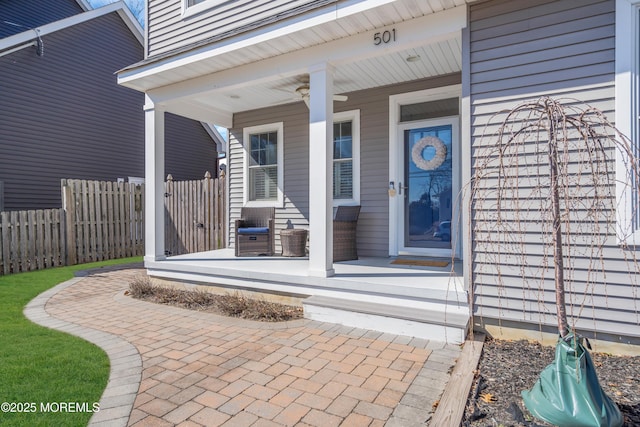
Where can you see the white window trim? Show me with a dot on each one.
(354, 117)
(396, 167)
(246, 132)
(627, 101)
(188, 11)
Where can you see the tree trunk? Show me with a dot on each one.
(558, 262)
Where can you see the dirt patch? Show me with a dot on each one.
(234, 304)
(508, 367)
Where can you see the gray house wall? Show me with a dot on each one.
(170, 29)
(63, 115)
(522, 50)
(373, 223)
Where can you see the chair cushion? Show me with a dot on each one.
(253, 230)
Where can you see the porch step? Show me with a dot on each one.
(439, 323)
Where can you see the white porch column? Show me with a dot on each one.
(154, 181)
(321, 170)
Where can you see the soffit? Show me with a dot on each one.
(436, 57)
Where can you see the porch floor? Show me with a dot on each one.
(375, 277)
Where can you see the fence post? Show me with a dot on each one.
(205, 213)
(221, 211)
(170, 246)
(69, 224)
(5, 236)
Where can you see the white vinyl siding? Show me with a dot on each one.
(263, 165)
(524, 50)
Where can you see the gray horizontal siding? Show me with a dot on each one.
(189, 150)
(169, 29)
(373, 223)
(521, 50)
(548, 46)
(63, 115)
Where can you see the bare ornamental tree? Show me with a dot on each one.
(547, 198)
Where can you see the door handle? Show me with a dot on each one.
(400, 188)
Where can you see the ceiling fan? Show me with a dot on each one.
(303, 92)
(302, 89)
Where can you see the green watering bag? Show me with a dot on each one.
(568, 393)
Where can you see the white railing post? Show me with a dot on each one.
(321, 170)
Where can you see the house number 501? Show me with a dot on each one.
(385, 37)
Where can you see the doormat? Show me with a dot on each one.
(421, 262)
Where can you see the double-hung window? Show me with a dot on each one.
(627, 117)
(263, 165)
(346, 158)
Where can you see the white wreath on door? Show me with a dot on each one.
(438, 158)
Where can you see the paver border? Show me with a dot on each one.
(125, 374)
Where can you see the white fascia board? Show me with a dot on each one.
(131, 22)
(215, 136)
(29, 35)
(352, 7)
(431, 28)
(309, 20)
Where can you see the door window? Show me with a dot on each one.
(428, 184)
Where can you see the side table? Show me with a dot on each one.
(294, 242)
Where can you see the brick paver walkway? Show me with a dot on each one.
(203, 369)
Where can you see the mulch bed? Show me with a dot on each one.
(508, 367)
(234, 305)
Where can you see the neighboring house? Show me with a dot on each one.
(428, 73)
(62, 113)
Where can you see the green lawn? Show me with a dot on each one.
(39, 366)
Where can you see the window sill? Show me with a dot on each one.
(264, 204)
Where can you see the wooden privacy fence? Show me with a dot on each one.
(98, 221)
(105, 220)
(31, 240)
(194, 215)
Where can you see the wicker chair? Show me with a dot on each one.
(255, 232)
(345, 247)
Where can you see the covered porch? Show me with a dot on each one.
(391, 70)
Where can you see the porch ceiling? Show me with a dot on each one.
(212, 82)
